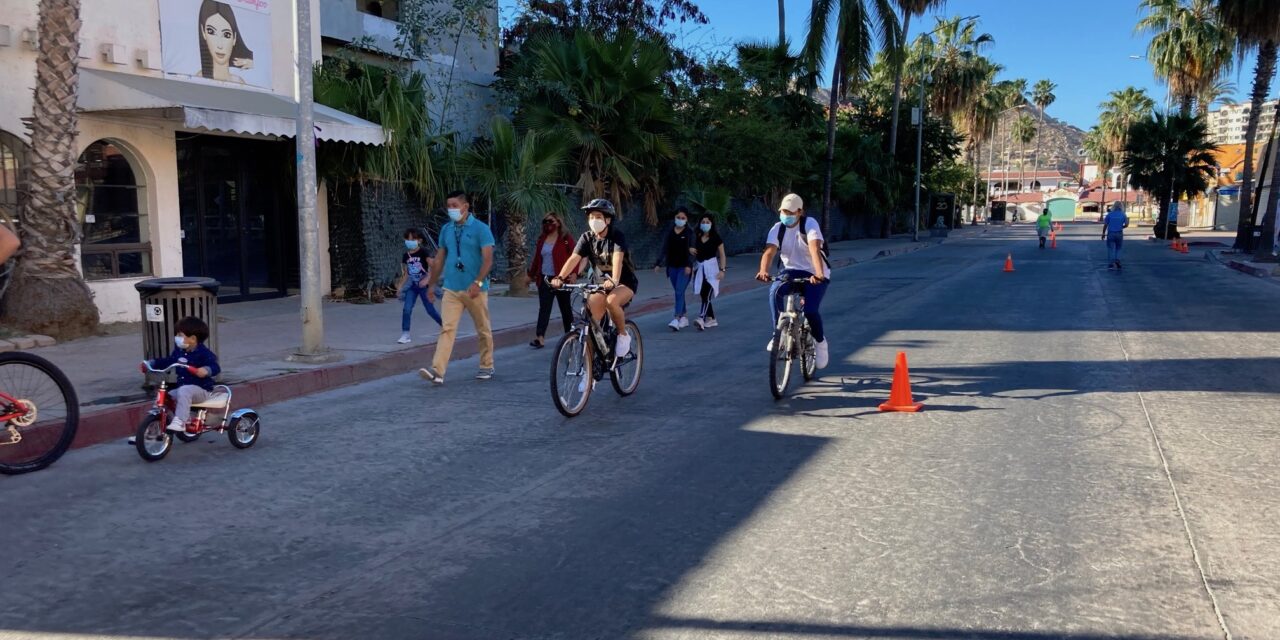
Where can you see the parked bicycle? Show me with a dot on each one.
(154, 441)
(792, 340)
(585, 354)
(39, 412)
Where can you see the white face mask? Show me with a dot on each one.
(598, 224)
(455, 214)
(180, 341)
(680, 222)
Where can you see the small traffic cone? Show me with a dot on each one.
(1174, 245)
(900, 395)
(1008, 263)
(1183, 247)
(1053, 241)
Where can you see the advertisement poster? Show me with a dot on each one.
(218, 41)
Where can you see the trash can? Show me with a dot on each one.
(165, 301)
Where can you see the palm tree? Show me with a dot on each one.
(956, 70)
(1042, 96)
(782, 21)
(1024, 131)
(516, 172)
(1169, 156)
(1190, 49)
(858, 25)
(1119, 112)
(909, 8)
(1257, 24)
(1220, 92)
(980, 121)
(1015, 97)
(48, 295)
(1098, 147)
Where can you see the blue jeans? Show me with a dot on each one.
(679, 284)
(812, 293)
(1115, 242)
(411, 295)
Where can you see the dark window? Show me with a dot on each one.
(389, 9)
(117, 240)
(12, 163)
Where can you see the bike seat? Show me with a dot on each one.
(216, 401)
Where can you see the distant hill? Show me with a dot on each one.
(1060, 144)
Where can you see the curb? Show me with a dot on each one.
(1242, 267)
(121, 421)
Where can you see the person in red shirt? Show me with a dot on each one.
(553, 248)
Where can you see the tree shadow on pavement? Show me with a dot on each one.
(889, 632)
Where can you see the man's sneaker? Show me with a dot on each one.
(1111, 267)
(701, 324)
(484, 374)
(769, 347)
(710, 322)
(431, 376)
(404, 338)
(621, 348)
(684, 322)
(177, 426)
(1118, 267)
(820, 350)
(674, 324)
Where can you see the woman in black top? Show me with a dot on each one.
(606, 249)
(709, 270)
(677, 255)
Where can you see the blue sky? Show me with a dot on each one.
(1083, 46)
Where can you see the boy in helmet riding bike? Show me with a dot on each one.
(606, 249)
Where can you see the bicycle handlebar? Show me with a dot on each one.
(585, 287)
(148, 367)
(786, 280)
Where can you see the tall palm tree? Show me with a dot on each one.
(1190, 49)
(909, 8)
(1257, 24)
(1024, 131)
(1098, 148)
(1169, 156)
(48, 295)
(1119, 112)
(782, 21)
(1042, 96)
(1015, 98)
(1220, 92)
(980, 120)
(955, 67)
(517, 173)
(858, 25)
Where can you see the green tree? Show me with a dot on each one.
(1098, 147)
(47, 294)
(1256, 24)
(858, 25)
(952, 65)
(1190, 47)
(1015, 97)
(1119, 112)
(982, 117)
(1169, 156)
(517, 172)
(1041, 96)
(909, 9)
(1024, 131)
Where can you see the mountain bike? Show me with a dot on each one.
(791, 340)
(585, 354)
(39, 413)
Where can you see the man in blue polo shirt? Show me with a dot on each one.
(1113, 233)
(465, 259)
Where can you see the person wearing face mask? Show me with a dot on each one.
(798, 241)
(464, 260)
(192, 387)
(412, 285)
(711, 265)
(606, 250)
(552, 249)
(677, 256)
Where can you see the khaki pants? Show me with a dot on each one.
(451, 306)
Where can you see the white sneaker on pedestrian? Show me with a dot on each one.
(684, 322)
(176, 426)
(769, 347)
(822, 357)
(701, 324)
(404, 338)
(674, 324)
(710, 322)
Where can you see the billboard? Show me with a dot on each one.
(217, 41)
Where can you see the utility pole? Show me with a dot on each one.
(313, 347)
(915, 221)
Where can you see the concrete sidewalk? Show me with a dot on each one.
(255, 339)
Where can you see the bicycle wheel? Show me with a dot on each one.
(152, 439)
(780, 360)
(571, 379)
(626, 376)
(48, 413)
(808, 354)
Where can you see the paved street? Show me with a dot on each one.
(1096, 459)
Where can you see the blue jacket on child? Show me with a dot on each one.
(200, 357)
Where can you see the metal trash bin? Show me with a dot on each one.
(165, 301)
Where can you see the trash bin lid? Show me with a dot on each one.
(153, 285)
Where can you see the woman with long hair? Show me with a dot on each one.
(221, 45)
(553, 248)
(709, 270)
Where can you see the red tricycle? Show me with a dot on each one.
(154, 441)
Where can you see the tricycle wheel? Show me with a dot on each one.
(152, 440)
(243, 431)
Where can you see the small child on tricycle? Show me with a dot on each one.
(196, 380)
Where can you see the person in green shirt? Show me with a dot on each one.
(1042, 227)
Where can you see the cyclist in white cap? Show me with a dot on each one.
(798, 241)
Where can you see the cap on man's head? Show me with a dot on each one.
(1115, 204)
(791, 202)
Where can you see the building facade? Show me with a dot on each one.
(1228, 124)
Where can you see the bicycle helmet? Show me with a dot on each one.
(602, 205)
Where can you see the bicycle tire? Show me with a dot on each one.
(780, 360)
(69, 400)
(572, 341)
(140, 438)
(637, 350)
(808, 355)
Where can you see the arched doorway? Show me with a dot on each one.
(111, 202)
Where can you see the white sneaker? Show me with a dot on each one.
(404, 338)
(710, 322)
(769, 347)
(674, 324)
(176, 426)
(823, 357)
(582, 385)
(684, 322)
(701, 324)
(623, 346)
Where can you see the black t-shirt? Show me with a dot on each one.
(675, 247)
(415, 263)
(708, 249)
(600, 252)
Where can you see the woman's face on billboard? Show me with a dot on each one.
(219, 39)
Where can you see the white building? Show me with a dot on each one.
(1228, 124)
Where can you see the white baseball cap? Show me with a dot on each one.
(791, 202)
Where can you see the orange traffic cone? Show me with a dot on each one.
(900, 395)
(1008, 264)
(1053, 241)
(1184, 247)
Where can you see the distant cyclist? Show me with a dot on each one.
(798, 240)
(606, 249)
